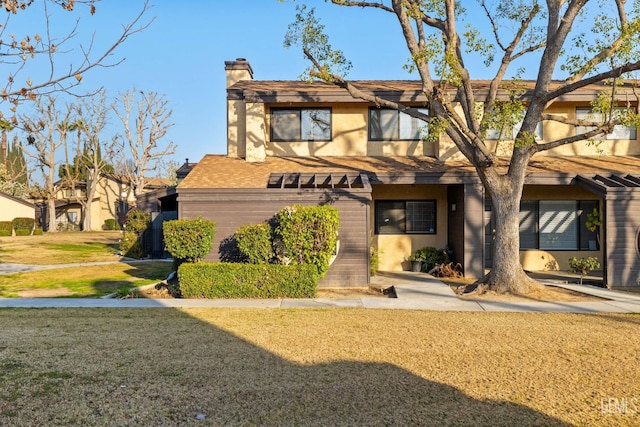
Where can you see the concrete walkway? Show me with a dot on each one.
(415, 291)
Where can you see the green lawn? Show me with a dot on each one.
(316, 367)
(88, 281)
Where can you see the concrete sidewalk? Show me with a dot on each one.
(415, 291)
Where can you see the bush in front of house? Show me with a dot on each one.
(6, 228)
(135, 223)
(255, 242)
(111, 224)
(431, 256)
(130, 245)
(23, 226)
(188, 240)
(307, 235)
(231, 280)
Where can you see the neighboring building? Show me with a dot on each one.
(293, 142)
(113, 199)
(15, 207)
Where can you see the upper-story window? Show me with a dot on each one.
(619, 131)
(393, 125)
(510, 134)
(300, 124)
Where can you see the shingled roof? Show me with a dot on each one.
(222, 172)
(398, 90)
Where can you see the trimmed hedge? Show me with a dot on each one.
(231, 280)
(188, 240)
(23, 226)
(6, 228)
(255, 242)
(111, 224)
(307, 235)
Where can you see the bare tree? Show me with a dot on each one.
(92, 114)
(140, 149)
(440, 54)
(25, 50)
(48, 129)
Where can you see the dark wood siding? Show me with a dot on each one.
(622, 221)
(465, 227)
(232, 209)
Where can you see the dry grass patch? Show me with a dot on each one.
(60, 248)
(314, 367)
(548, 293)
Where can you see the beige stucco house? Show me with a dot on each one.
(114, 197)
(298, 142)
(14, 207)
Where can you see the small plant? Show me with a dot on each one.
(583, 266)
(374, 260)
(430, 256)
(124, 291)
(415, 257)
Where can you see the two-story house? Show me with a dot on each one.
(113, 198)
(294, 142)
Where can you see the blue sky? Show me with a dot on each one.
(182, 54)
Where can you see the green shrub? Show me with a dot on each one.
(430, 256)
(37, 231)
(583, 266)
(255, 242)
(188, 240)
(6, 228)
(307, 235)
(111, 224)
(130, 245)
(23, 226)
(229, 280)
(137, 221)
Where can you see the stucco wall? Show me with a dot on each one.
(395, 248)
(13, 209)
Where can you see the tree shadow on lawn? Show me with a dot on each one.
(148, 271)
(149, 368)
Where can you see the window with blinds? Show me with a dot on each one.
(557, 225)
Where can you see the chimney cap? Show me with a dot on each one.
(238, 64)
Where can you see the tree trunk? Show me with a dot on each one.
(507, 275)
(51, 214)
